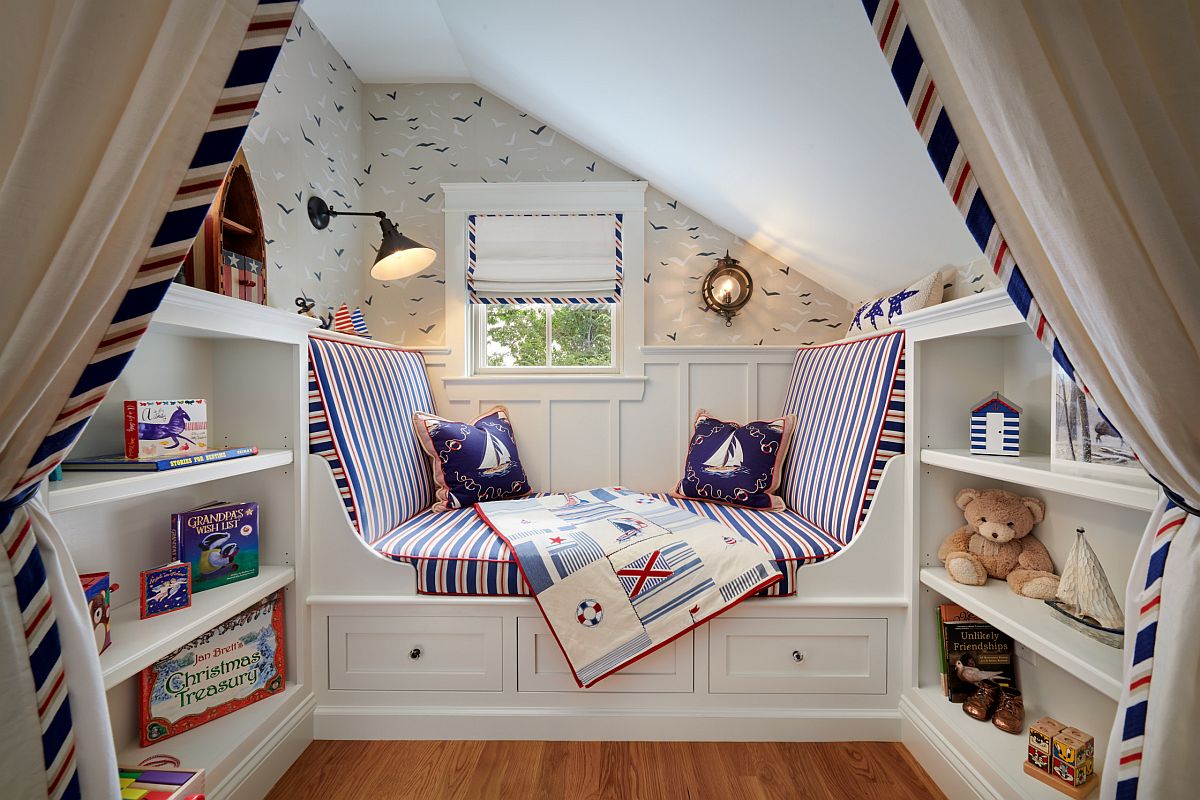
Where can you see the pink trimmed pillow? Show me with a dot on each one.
(472, 462)
(738, 465)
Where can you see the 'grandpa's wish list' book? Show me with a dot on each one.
(219, 540)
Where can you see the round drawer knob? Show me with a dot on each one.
(415, 653)
(797, 656)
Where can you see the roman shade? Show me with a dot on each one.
(544, 258)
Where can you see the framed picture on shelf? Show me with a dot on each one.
(1081, 439)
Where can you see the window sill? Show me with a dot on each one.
(545, 386)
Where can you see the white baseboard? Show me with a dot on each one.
(580, 724)
(265, 765)
(957, 779)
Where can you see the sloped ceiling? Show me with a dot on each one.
(777, 119)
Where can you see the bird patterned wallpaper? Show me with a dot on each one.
(319, 130)
(305, 139)
(419, 136)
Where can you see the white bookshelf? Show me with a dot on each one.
(958, 353)
(79, 489)
(1036, 470)
(138, 642)
(250, 363)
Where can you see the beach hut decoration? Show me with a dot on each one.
(996, 427)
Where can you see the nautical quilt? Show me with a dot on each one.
(619, 574)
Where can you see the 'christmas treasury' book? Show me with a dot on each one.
(237, 663)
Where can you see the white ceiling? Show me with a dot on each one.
(777, 119)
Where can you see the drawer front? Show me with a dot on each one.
(541, 666)
(797, 656)
(416, 653)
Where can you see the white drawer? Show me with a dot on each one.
(797, 656)
(541, 666)
(421, 653)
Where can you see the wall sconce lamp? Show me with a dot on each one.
(727, 288)
(398, 256)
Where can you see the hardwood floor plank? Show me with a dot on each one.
(476, 770)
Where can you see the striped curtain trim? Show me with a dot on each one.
(619, 267)
(206, 171)
(1133, 731)
(45, 655)
(933, 124)
(848, 400)
(368, 393)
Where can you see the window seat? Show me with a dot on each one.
(456, 553)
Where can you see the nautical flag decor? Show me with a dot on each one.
(618, 574)
(996, 427)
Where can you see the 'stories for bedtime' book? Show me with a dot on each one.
(219, 540)
(159, 428)
(119, 463)
(973, 651)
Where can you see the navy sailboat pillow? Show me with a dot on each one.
(472, 462)
(740, 465)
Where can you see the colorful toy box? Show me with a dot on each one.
(153, 783)
(1072, 757)
(1041, 735)
(97, 590)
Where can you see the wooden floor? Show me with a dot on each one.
(356, 770)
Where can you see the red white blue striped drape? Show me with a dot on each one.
(932, 121)
(158, 267)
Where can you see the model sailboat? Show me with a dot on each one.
(496, 458)
(1085, 597)
(727, 458)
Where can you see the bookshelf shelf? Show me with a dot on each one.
(1031, 623)
(1002, 753)
(80, 489)
(137, 643)
(1035, 471)
(222, 745)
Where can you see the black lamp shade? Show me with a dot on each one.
(399, 256)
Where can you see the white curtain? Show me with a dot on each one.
(103, 106)
(1081, 119)
(565, 255)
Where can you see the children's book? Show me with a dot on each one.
(160, 428)
(239, 662)
(219, 540)
(973, 651)
(166, 588)
(119, 463)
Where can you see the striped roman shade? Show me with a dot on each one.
(362, 399)
(544, 258)
(848, 398)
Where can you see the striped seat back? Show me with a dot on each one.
(848, 398)
(362, 396)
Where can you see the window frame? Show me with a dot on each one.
(479, 366)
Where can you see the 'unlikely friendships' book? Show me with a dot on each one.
(219, 540)
(973, 652)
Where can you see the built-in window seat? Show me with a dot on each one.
(848, 398)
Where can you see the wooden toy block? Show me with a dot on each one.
(1074, 792)
(1072, 756)
(1041, 734)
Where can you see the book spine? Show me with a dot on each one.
(176, 522)
(205, 458)
(131, 429)
(943, 667)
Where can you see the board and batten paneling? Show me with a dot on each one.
(572, 436)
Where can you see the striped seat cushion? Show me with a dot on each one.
(455, 552)
(848, 398)
(362, 396)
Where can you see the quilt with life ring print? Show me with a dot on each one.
(618, 574)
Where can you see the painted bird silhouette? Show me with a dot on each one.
(966, 668)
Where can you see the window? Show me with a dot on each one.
(568, 338)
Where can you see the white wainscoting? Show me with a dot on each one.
(583, 433)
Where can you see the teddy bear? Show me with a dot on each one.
(996, 543)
